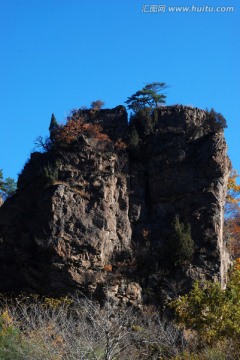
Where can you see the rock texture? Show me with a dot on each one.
(95, 218)
(183, 170)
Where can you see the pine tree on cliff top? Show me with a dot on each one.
(53, 126)
(150, 96)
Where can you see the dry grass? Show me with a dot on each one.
(78, 329)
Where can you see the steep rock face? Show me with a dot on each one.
(183, 170)
(97, 219)
(63, 236)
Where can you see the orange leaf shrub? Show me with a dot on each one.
(121, 145)
(107, 268)
(75, 128)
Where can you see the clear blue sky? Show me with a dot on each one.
(57, 55)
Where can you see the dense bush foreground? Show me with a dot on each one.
(77, 329)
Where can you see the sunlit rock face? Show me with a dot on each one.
(95, 218)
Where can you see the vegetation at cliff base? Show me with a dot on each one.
(32, 328)
(213, 313)
(207, 327)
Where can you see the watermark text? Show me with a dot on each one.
(187, 9)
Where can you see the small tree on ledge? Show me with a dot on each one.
(180, 245)
(53, 126)
(97, 105)
(150, 96)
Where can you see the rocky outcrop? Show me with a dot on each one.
(183, 169)
(95, 218)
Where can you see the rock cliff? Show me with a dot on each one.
(96, 216)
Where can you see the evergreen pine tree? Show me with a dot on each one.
(180, 245)
(53, 126)
(150, 96)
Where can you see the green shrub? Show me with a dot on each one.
(16, 344)
(144, 121)
(216, 120)
(213, 313)
(9, 338)
(179, 248)
(49, 173)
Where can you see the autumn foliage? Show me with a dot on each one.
(232, 234)
(107, 268)
(76, 128)
(233, 195)
(232, 220)
(120, 144)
